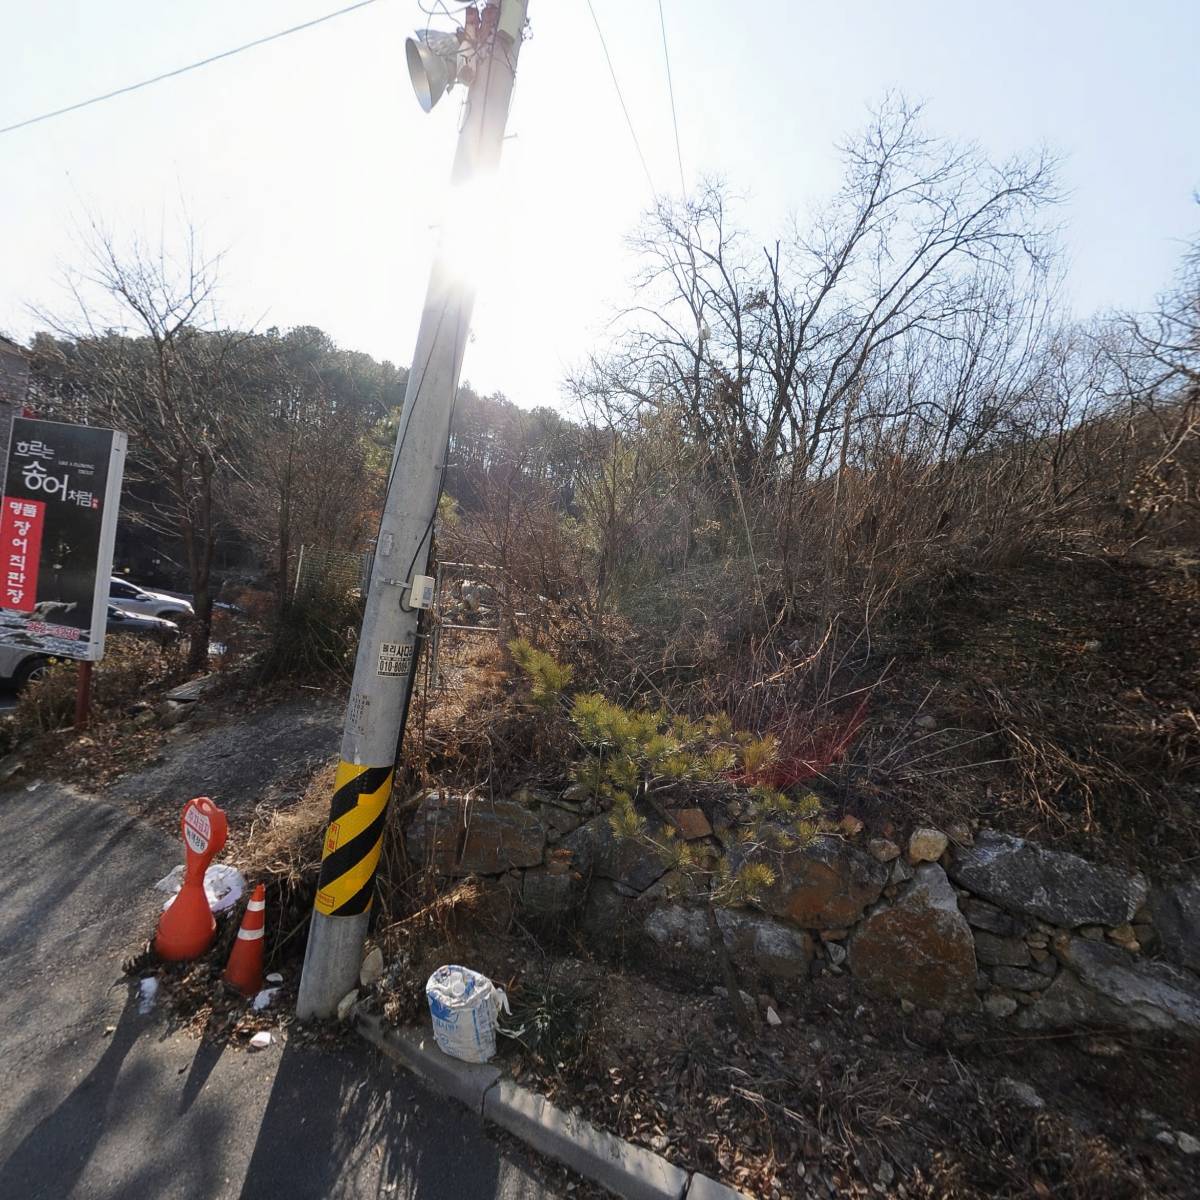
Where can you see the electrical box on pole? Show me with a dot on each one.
(482, 55)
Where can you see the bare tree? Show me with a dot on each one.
(147, 349)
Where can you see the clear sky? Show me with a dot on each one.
(309, 163)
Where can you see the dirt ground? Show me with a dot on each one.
(846, 1097)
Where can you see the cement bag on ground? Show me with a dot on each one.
(464, 1005)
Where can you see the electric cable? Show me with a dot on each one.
(204, 62)
(671, 92)
(621, 97)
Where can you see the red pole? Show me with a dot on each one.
(83, 694)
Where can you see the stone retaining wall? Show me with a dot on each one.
(1031, 937)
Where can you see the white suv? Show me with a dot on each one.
(133, 599)
(18, 666)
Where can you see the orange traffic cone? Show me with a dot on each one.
(244, 970)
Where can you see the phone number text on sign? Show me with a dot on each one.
(395, 658)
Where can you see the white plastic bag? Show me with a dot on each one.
(464, 1005)
(223, 885)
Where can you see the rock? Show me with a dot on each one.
(754, 942)
(982, 915)
(1106, 985)
(1187, 1143)
(1019, 979)
(1124, 937)
(458, 835)
(960, 833)
(836, 953)
(834, 935)
(12, 764)
(1175, 913)
(550, 894)
(999, 1007)
(171, 713)
(1147, 936)
(346, 1004)
(773, 1018)
(1047, 965)
(901, 872)
(1050, 884)
(1021, 1092)
(926, 845)
(559, 819)
(194, 689)
(1166, 1137)
(606, 915)
(747, 999)
(599, 852)
(1000, 952)
(769, 946)
(371, 971)
(678, 927)
(693, 824)
(920, 949)
(1040, 954)
(926, 722)
(850, 825)
(907, 1007)
(1093, 933)
(824, 885)
(883, 849)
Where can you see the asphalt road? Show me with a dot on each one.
(141, 1113)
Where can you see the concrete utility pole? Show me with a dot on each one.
(387, 648)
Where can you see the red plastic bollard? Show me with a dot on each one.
(187, 927)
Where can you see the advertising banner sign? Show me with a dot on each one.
(58, 523)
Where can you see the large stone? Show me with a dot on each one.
(824, 885)
(1057, 887)
(549, 895)
(461, 835)
(927, 845)
(920, 949)
(772, 947)
(754, 942)
(1000, 952)
(1106, 985)
(1019, 979)
(628, 861)
(982, 915)
(606, 914)
(1175, 912)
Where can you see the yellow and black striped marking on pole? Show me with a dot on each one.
(354, 839)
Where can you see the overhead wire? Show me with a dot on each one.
(662, 21)
(621, 97)
(203, 62)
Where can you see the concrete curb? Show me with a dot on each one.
(626, 1170)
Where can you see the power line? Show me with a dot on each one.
(671, 91)
(620, 96)
(204, 62)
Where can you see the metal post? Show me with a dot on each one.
(387, 654)
(83, 694)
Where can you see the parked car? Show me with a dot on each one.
(120, 621)
(19, 666)
(134, 599)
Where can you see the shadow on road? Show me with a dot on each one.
(354, 1132)
(51, 1158)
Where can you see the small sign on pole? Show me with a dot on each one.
(58, 526)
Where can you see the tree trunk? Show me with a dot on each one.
(201, 590)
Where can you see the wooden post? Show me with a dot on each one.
(83, 694)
